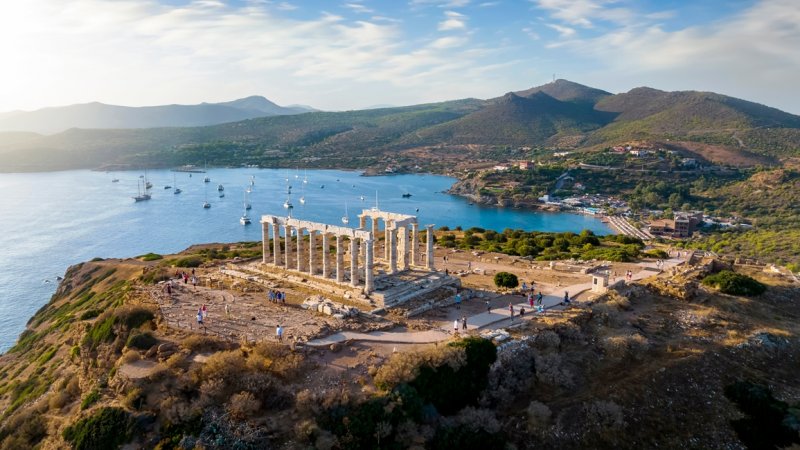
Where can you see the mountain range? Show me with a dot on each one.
(100, 116)
(561, 114)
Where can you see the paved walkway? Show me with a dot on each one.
(495, 318)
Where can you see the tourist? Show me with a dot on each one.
(511, 310)
(169, 289)
(227, 310)
(458, 301)
(530, 299)
(521, 312)
(455, 326)
(539, 298)
(464, 323)
(204, 311)
(469, 265)
(566, 298)
(199, 317)
(524, 286)
(279, 333)
(283, 297)
(271, 296)
(488, 307)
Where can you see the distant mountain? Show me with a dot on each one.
(567, 91)
(561, 114)
(102, 116)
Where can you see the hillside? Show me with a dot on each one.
(561, 115)
(667, 362)
(102, 116)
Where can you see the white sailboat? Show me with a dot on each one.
(345, 218)
(207, 179)
(244, 220)
(206, 205)
(175, 182)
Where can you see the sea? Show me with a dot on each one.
(49, 221)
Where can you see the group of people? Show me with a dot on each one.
(276, 296)
(186, 278)
(202, 314)
(463, 324)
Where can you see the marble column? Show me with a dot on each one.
(353, 262)
(276, 242)
(403, 247)
(414, 244)
(368, 278)
(288, 241)
(375, 236)
(339, 260)
(264, 242)
(326, 252)
(299, 249)
(429, 252)
(312, 247)
(386, 246)
(392, 243)
(362, 222)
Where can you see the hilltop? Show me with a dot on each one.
(666, 361)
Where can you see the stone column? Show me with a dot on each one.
(299, 249)
(362, 221)
(429, 252)
(375, 237)
(339, 260)
(312, 247)
(387, 232)
(276, 242)
(353, 262)
(288, 240)
(392, 243)
(264, 242)
(325, 256)
(368, 279)
(404, 263)
(414, 244)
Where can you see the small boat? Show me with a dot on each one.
(206, 180)
(177, 189)
(248, 190)
(303, 200)
(244, 220)
(362, 198)
(406, 195)
(221, 194)
(247, 204)
(322, 186)
(220, 187)
(287, 204)
(115, 180)
(167, 187)
(148, 185)
(345, 219)
(206, 205)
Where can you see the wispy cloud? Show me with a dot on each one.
(358, 7)
(286, 6)
(488, 4)
(564, 32)
(439, 3)
(453, 21)
(583, 13)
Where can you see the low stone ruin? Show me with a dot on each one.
(325, 306)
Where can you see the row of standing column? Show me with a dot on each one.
(278, 259)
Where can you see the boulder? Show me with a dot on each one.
(335, 347)
(327, 310)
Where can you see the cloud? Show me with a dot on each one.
(448, 42)
(439, 3)
(488, 4)
(583, 13)
(358, 7)
(564, 32)
(453, 21)
(285, 6)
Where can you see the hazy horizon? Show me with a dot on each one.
(357, 53)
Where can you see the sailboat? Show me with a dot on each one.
(147, 184)
(252, 180)
(375, 208)
(305, 177)
(345, 219)
(303, 193)
(177, 189)
(141, 194)
(244, 220)
(115, 180)
(206, 205)
(207, 179)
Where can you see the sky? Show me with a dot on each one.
(352, 54)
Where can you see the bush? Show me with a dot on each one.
(506, 280)
(107, 428)
(101, 331)
(767, 422)
(656, 253)
(134, 317)
(141, 341)
(150, 257)
(733, 283)
(89, 314)
(189, 261)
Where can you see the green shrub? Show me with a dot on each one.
(89, 314)
(733, 283)
(506, 280)
(189, 261)
(101, 331)
(134, 317)
(150, 257)
(107, 428)
(91, 398)
(767, 422)
(656, 253)
(141, 341)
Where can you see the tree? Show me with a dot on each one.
(506, 280)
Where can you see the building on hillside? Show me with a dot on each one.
(524, 165)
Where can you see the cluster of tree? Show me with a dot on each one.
(546, 246)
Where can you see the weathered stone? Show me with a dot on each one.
(335, 347)
(327, 310)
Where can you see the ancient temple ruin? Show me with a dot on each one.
(369, 273)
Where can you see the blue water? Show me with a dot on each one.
(49, 221)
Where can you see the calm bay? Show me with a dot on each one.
(49, 221)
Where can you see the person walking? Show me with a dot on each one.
(530, 299)
(566, 298)
(279, 333)
(227, 310)
(458, 301)
(488, 307)
(539, 298)
(455, 326)
(464, 323)
(511, 310)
